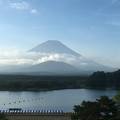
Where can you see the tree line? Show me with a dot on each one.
(101, 79)
(98, 80)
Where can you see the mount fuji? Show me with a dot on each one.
(52, 47)
(70, 58)
(54, 58)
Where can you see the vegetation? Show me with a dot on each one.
(117, 98)
(104, 80)
(27, 82)
(98, 80)
(101, 109)
(3, 117)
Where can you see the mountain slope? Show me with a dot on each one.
(68, 61)
(52, 67)
(53, 46)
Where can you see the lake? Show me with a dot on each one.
(50, 100)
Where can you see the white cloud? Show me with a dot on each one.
(15, 57)
(34, 11)
(20, 5)
(20, 58)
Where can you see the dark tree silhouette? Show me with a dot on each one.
(3, 117)
(102, 109)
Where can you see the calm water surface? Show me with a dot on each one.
(52, 100)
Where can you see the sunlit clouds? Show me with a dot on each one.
(16, 57)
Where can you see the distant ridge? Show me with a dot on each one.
(53, 67)
(54, 46)
(68, 61)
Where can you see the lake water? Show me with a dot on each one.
(51, 100)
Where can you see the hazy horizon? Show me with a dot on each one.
(90, 28)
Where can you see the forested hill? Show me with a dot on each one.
(98, 80)
(101, 79)
(40, 83)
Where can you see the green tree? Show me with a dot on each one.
(103, 109)
(108, 108)
(116, 98)
(86, 111)
(3, 117)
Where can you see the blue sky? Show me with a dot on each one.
(91, 27)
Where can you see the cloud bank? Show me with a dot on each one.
(15, 57)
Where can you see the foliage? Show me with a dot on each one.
(101, 79)
(29, 82)
(3, 117)
(102, 109)
(116, 98)
(98, 80)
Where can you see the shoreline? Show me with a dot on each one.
(49, 90)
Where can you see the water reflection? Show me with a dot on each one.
(61, 99)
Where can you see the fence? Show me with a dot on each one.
(36, 115)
